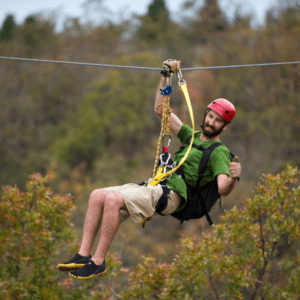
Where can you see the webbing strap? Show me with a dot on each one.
(160, 176)
(204, 160)
(202, 167)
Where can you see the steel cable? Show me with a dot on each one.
(146, 68)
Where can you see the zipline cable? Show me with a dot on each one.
(244, 66)
(77, 63)
(146, 68)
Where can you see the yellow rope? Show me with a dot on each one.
(161, 176)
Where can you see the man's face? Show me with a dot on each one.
(212, 124)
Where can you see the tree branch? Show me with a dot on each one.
(213, 286)
(263, 270)
(262, 238)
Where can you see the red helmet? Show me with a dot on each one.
(224, 108)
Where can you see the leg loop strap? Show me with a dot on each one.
(163, 200)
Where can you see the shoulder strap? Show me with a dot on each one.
(201, 170)
(205, 157)
(204, 160)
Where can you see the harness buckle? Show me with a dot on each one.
(164, 159)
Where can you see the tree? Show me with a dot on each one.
(6, 32)
(156, 7)
(154, 27)
(290, 17)
(111, 119)
(35, 226)
(210, 20)
(242, 258)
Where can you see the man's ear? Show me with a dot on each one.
(226, 126)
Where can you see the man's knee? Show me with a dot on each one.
(115, 200)
(98, 196)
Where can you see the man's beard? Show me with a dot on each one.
(209, 133)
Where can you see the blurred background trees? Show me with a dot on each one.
(90, 127)
(6, 32)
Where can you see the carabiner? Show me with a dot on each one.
(169, 141)
(166, 149)
(181, 81)
(169, 79)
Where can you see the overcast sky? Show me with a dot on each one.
(74, 8)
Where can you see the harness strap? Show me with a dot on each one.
(202, 167)
(161, 205)
(204, 160)
(201, 170)
(163, 200)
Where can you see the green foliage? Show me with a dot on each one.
(34, 226)
(29, 114)
(34, 99)
(156, 30)
(6, 32)
(290, 17)
(155, 8)
(112, 117)
(37, 34)
(241, 259)
(147, 280)
(209, 22)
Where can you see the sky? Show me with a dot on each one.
(116, 8)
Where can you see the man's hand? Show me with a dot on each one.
(173, 64)
(175, 122)
(235, 168)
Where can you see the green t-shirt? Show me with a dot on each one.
(218, 162)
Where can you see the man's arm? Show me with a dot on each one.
(226, 183)
(175, 122)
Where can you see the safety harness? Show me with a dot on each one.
(199, 199)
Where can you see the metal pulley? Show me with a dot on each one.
(168, 89)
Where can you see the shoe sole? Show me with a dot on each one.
(87, 277)
(69, 267)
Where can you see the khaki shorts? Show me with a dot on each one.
(141, 200)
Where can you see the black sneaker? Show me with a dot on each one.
(89, 270)
(74, 263)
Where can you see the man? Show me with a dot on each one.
(108, 207)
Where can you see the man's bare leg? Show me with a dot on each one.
(107, 210)
(92, 220)
(110, 224)
(91, 226)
